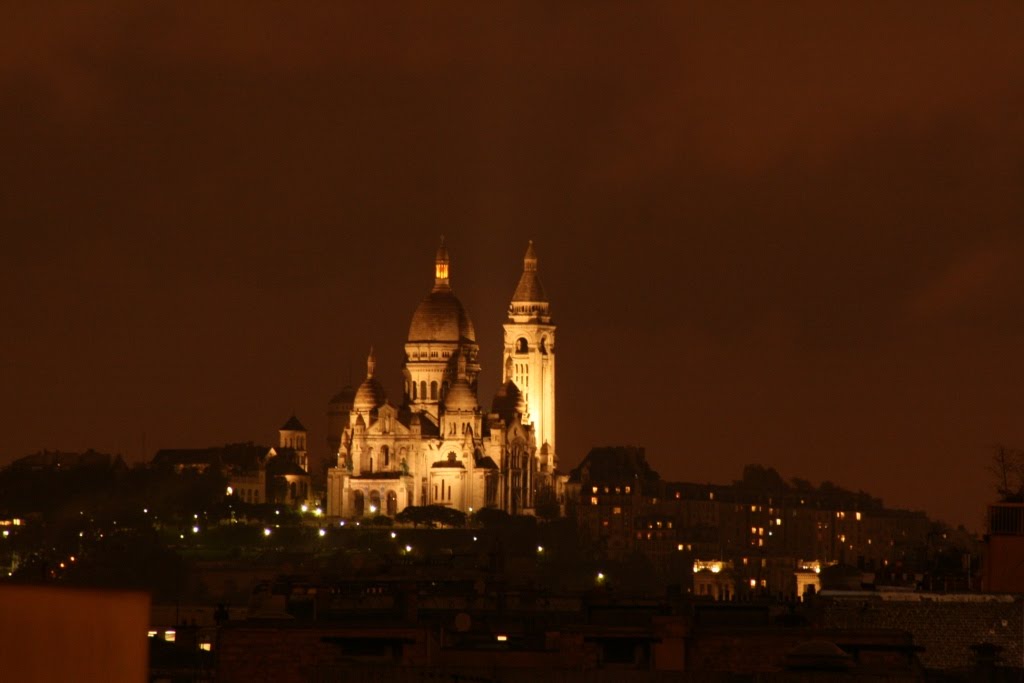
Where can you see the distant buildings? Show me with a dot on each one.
(255, 474)
(763, 535)
(1003, 559)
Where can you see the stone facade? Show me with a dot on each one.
(437, 446)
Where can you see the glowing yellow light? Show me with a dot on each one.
(304, 507)
(152, 634)
(169, 636)
(408, 548)
(205, 647)
(230, 491)
(753, 583)
(502, 637)
(266, 531)
(394, 535)
(540, 549)
(323, 532)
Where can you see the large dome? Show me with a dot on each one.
(440, 317)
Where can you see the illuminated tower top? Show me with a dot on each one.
(529, 301)
(441, 268)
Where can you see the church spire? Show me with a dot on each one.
(371, 364)
(529, 301)
(441, 267)
(530, 259)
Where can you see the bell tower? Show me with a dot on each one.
(530, 357)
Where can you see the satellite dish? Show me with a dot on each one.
(463, 622)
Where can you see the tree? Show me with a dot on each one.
(1007, 469)
(546, 503)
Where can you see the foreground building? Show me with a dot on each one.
(437, 445)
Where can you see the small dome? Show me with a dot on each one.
(369, 395)
(346, 395)
(440, 317)
(460, 396)
(508, 401)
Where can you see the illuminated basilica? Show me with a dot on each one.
(438, 446)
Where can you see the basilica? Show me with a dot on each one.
(438, 446)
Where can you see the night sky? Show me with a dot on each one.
(779, 234)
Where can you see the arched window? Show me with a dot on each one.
(386, 454)
(392, 503)
(358, 503)
(433, 391)
(423, 390)
(544, 345)
(374, 502)
(521, 345)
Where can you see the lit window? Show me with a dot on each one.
(205, 647)
(593, 500)
(628, 489)
(593, 489)
(858, 516)
(169, 636)
(152, 634)
(616, 510)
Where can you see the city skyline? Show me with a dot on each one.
(785, 236)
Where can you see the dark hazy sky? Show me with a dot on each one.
(783, 234)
